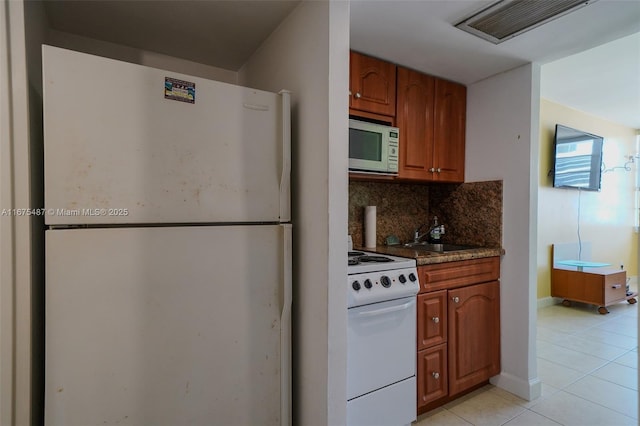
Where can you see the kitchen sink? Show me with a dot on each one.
(439, 248)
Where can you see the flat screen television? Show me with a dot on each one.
(577, 159)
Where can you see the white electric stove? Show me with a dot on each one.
(377, 278)
(381, 339)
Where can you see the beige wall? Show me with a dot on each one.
(606, 217)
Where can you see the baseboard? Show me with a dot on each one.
(526, 389)
(548, 301)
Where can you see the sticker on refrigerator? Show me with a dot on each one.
(179, 90)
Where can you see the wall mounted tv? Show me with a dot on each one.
(577, 159)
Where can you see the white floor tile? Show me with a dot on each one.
(548, 334)
(509, 396)
(620, 374)
(486, 409)
(624, 308)
(627, 326)
(440, 417)
(547, 391)
(610, 395)
(556, 375)
(630, 359)
(530, 418)
(591, 347)
(571, 410)
(570, 358)
(572, 324)
(609, 338)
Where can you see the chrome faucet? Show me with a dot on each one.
(434, 229)
(416, 234)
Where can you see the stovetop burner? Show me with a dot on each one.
(362, 261)
(378, 259)
(358, 257)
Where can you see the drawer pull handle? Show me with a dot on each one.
(455, 299)
(435, 375)
(435, 319)
(616, 286)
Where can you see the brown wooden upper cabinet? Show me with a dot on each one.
(372, 85)
(431, 116)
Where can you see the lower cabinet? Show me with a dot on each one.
(474, 335)
(458, 333)
(432, 374)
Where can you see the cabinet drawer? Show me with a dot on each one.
(615, 287)
(598, 288)
(456, 274)
(432, 319)
(432, 374)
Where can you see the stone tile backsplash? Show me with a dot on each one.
(471, 212)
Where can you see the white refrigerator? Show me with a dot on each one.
(168, 247)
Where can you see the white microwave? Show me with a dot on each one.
(373, 148)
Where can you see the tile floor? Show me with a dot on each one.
(588, 365)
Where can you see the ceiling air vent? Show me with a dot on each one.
(506, 19)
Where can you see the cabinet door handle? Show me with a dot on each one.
(435, 375)
(455, 299)
(435, 319)
(438, 169)
(358, 95)
(616, 286)
(432, 170)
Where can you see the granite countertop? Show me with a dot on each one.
(428, 258)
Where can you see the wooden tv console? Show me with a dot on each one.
(595, 286)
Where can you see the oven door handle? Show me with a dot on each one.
(387, 310)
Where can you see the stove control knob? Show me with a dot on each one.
(412, 277)
(386, 282)
(356, 285)
(402, 278)
(367, 283)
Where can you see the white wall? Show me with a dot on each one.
(309, 55)
(138, 56)
(502, 143)
(15, 231)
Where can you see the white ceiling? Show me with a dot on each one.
(603, 81)
(418, 34)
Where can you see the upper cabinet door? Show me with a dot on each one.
(431, 115)
(372, 85)
(449, 130)
(415, 120)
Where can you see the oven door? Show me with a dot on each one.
(381, 345)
